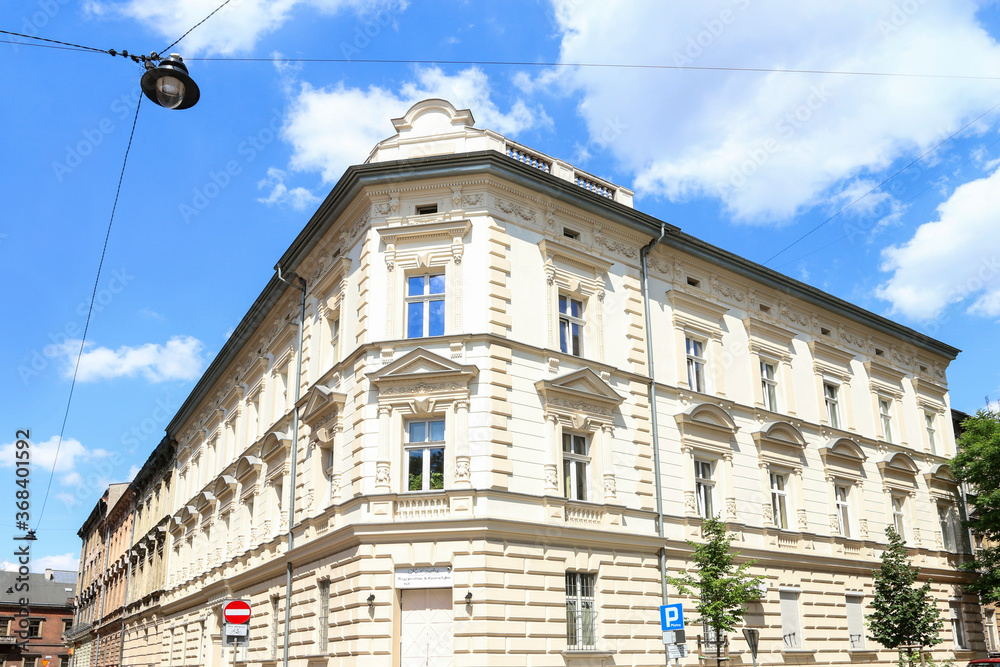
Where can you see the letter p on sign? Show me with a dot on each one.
(671, 617)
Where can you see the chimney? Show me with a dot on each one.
(48, 574)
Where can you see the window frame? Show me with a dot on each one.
(930, 420)
(792, 621)
(576, 461)
(832, 403)
(704, 488)
(843, 507)
(577, 624)
(769, 384)
(425, 298)
(567, 321)
(779, 499)
(426, 447)
(696, 362)
(898, 513)
(959, 633)
(323, 615)
(885, 418)
(949, 541)
(855, 600)
(34, 624)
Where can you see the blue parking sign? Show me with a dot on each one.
(671, 617)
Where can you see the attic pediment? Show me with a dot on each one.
(421, 371)
(581, 390)
(320, 404)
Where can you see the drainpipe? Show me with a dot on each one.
(652, 410)
(301, 286)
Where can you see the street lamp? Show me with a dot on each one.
(169, 85)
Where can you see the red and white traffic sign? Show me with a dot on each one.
(236, 612)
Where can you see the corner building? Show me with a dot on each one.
(474, 470)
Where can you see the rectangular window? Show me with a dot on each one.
(695, 364)
(843, 509)
(704, 488)
(64, 661)
(830, 393)
(426, 209)
(274, 626)
(899, 515)
(581, 615)
(769, 386)
(885, 414)
(34, 627)
(30, 661)
(929, 422)
(425, 455)
(280, 392)
(425, 305)
(571, 324)
(791, 634)
(947, 527)
(576, 466)
(334, 339)
(957, 624)
(324, 615)
(5, 626)
(856, 620)
(779, 501)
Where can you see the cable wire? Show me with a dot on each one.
(515, 63)
(90, 311)
(196, 25)
(54, 41)
(894, 175)
(49, 46)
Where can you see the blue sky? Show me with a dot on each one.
(212, 196)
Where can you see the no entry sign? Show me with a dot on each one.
(236, 612)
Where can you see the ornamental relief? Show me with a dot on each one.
(580, 406)
(422, 388)
(512, 208)
(619, 247)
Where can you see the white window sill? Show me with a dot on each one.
(572, 653)
(806, 651)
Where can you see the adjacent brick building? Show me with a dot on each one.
(41, 623)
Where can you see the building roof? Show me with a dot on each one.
(57, 591)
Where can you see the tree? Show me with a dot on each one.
(978, 464)
(903, 616)
(723, 585)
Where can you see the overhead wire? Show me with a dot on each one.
(90, 311)
(892, 176)
(195, 26)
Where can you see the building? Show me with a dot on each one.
(31, 633)
(470, 466)
(95, 635)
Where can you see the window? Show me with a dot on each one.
(779, 501)
(947, 531)
(425, 305)
(899, 515)
(695, 364)
(67, 624)
(855, 620)
(885, 413)
(30, 661)
(957, 624)
(791, 635)
(425, 455)
(571, 233)
(769, 386)
(830, 392)
(324, 615)
(929, 423)
(274, 626)
(704, 488)
(426, 209)
(34, 627)
(64, 661)
(576, 466)
(571, 325)
(5, 626)
(843, 509)
(581, 617)
(335, 339)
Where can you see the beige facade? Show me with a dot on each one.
(475, 465)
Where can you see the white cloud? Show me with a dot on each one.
(952, 259)
(178, 359)
(238, 25)
(69, 562)
(43, 453)
(335, 127)
(770, 144)
(298, 197)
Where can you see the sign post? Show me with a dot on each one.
(672, 624)
(753, 638)
(236, 624)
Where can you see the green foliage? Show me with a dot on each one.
(723, 585)
(904, 616)
(978, 464)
